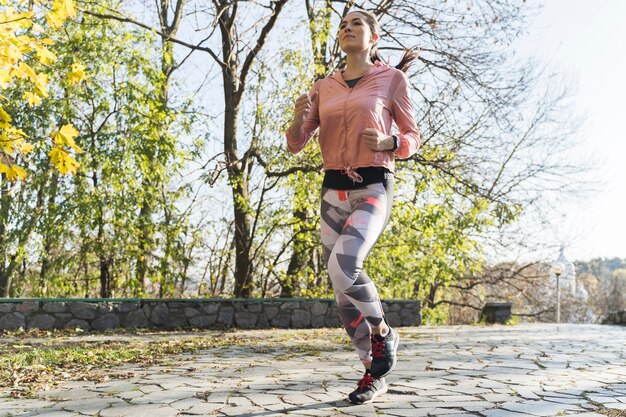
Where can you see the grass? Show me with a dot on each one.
(611, 413)
(37, 360)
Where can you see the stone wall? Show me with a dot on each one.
(616, 318)
(106, 314)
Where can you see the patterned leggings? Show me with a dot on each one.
(351, 223)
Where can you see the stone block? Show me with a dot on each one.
(54, 307)
(331, 321)
(105, 308)
(135, 319)
(300, 319)
(85, 311)
(191, 312)
(211, 307)
(27, 306)
(263, 322)
(6, 307)
(176, 320)
(412, 319)
(179, 305)
(226, 315)
(203, 321)
(393, 319)
(317, 322)
(160, 315)
(282, 320)
(61, 319)
(246, 320)
(496, 312)
(126, 306)
(254, 307)
(41, 321)
(395, 307)
(77, 324)
(318, 308)
(290, 305)
(12, 321)
(146, 310)
(270, 312)
(105, 322)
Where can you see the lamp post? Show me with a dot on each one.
(557, 269)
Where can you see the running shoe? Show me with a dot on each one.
(367, 389)
(384, 353)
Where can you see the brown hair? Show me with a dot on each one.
(408, 56)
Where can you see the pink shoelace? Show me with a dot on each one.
(378, 348)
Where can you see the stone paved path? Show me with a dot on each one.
(495, 371)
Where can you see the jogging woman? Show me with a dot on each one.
(354, 109)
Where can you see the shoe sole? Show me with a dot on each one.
(376, 394)
(395, 356)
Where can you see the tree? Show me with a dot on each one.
(487, 127)
(24, 44)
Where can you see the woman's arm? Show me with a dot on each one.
(305, 122)
(402, 112)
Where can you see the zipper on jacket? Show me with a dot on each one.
(345, 120)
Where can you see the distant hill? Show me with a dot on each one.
(600, 267)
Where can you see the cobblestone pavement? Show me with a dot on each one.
(493, 371)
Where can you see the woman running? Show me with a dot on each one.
(353, 109)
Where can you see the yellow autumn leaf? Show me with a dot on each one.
(64, 9)
(5, 78)
(54, 19)
(45, 56)
(26, 148)
(63, 161)
(10, 53)
(16, 172)
(5, 117)
(33, 99)
(4, 169)
(77, 74)
(29, 72)
(65, 136)
(6, 144)
(12, 172)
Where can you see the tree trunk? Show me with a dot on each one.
(10, 262)
(49, 237)
(5, 202)
(431, 295)
(299, 258)
(241, 199)
(105, 277)
(149, 184)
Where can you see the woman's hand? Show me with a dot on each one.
(303, 107)
(377, 141)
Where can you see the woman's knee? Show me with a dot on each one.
(343, 270)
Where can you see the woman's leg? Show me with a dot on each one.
(351, 223)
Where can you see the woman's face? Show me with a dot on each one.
(355, 34)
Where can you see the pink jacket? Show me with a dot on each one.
(341, 113)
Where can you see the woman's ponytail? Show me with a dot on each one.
(408, 56)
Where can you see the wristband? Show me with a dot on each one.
(396, 143)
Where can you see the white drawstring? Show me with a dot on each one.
(352, 174)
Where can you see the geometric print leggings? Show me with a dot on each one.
(351, 223)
